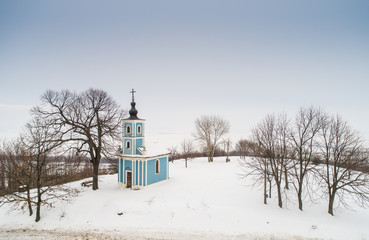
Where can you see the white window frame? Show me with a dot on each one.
(139, 129)
(128, 145)
(128, 129)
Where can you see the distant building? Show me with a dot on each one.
(137, 167)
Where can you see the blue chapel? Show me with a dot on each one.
(137, 168)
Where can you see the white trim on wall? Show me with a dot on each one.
(134, 146)
(123, 170)
(133, 172)
(133, 129)
(138, 172)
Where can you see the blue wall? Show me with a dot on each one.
(120, 173)
(152, 177)
(141, 177)
(139, 143)
(125, 150)
(136, 172)
(143, 174)
(125, 128)
(142, 130)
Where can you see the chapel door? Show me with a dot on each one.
(129, 179)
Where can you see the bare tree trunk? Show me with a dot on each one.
(299, 196)
(186, 162)
(210, 154)
(38, 204)
(270, 188)
(38, 186)
(279, 196)
(95, 176)
(286, 177)
(331, 202)
(29, 201)
(265, 187)
(300, 182)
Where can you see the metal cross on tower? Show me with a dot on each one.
(133, 94)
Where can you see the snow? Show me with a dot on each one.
(203, 201)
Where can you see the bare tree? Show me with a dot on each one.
(33, 168)
(257, 168)
(91, 119)
(305, 129)
(173, 152)
(18, 170)
(187, 148)
(2, 172)
(209, 130)
(227, 144)
(271, 136)
(283, 145)
(40, 140)
(244, 148)
(345, 172)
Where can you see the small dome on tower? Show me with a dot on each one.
(133, 112)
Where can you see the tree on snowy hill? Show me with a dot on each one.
(244, 148)
(18, 173)
(303, 139)
(187, 148)
(32, 171)
(40, 141)
(271, 155)
(227, 144)
(346, 171)
(91, 120)
(173, 153)
(258, 169)
(208, 131)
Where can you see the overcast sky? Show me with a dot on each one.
(237, 59)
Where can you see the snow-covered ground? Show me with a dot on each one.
(204, 201)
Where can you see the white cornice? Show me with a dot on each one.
(140, 157)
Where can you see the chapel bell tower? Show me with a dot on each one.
(133, 132)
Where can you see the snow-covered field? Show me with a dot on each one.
(204, 201)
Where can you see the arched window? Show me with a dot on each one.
(128, 144)
(139, 129)
(157, 166)
(128, 129)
